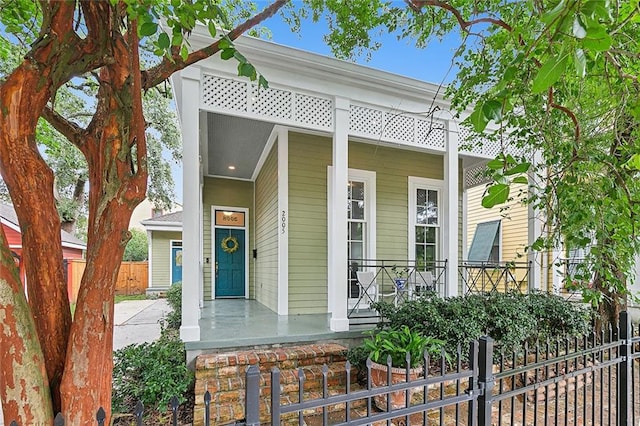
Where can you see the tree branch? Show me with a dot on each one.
(570, 114)
(416, 5)
(163, 70)
(70, 130)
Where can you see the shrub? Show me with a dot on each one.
(510, 318)
(174, 298)
(150, 373)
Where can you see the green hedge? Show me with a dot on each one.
(511, 318)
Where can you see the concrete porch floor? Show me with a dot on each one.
(236, 323)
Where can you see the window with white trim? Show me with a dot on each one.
(426, 222)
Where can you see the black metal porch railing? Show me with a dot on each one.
(393, 281)
(488, 277)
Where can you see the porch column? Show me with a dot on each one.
(337, 237)
(451, 222)
(192, 205)
(534, 230)
(283, 218)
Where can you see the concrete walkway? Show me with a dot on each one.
(135, 321)
(138, 321)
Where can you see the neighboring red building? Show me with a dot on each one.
(72, 247)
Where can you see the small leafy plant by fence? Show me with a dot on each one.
(592, 379)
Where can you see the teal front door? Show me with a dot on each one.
(176, 263)
(230, 262)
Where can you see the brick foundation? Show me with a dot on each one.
(223, 375)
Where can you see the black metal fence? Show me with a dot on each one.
(488, 277)
(393, 281)
(593, 379)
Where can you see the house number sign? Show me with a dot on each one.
(283, 222)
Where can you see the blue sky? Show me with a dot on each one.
(431, 64)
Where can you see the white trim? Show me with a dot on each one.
(10, 225)
(368, 177)
(337, 244)
(415, 183)
(265, 152)
(451, 207)
(72, 245)
(171, 259)
(283, 221)
(192, 201)
(229, 177)
(171, 227)
(150, 259)
(245, 228)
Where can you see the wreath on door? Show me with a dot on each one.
(230, 244)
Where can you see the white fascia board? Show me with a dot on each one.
(10, 225)
(171, 226)
(72, 245)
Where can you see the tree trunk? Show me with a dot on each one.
(115, 150)
(30, 184)
(22, 373)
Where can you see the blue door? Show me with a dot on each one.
(176, 263)
(230, 263)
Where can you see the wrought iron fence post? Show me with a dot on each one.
(472, 418)
(624, 370)
(252, 400)
(485, 380)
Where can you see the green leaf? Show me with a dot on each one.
(496, 164)
(496, 194)
(263, 83)
(163, 41)
(552, 14)
(147, 29)
(634, 162)
(212, 28)
(227, 53)
(520, 179)
(247, 70)
(224, 43)
(597, 38)
(520, 168)
(580, 61)
(549, 73)
(184, 53)
(492, 110)
(477, 119)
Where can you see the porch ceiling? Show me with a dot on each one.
(234, 141)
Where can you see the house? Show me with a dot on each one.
(146, 210)
(335, 169)
(511, 228)
(164, 234)
(72, 247)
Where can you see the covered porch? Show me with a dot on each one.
(282, 160)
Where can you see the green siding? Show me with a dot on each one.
(309, 157)
(266, 232)
(161, 257)
(308, 160)
(393, 168)
(230, 193)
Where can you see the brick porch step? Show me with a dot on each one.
(223, 375)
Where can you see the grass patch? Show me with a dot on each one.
(123, 297)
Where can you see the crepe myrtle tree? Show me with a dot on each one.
(48, 362)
